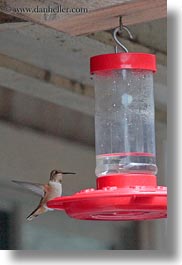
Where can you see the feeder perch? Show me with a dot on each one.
(126, 184)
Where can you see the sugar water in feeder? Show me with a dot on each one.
(124, 115)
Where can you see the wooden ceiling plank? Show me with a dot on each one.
(103, 13)
(98, 18)
(112, 22)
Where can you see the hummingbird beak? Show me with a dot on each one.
(66, 173)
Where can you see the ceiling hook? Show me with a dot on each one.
(118, 31)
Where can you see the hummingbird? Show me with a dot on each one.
(47, 191)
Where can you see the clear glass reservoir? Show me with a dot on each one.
(124, 120)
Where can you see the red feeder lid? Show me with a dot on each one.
(103, 62)
(124, 202)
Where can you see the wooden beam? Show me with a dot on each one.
(100, 15)
(133, 12)
(46, 91)
(30, 86)
(58, 57)
(44, 116)
(47, 76)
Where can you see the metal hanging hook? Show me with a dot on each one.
(118, 31)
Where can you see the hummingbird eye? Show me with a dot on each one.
(57, 171)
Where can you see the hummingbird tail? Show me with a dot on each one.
(35, 213)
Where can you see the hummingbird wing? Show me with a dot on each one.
(36, 188)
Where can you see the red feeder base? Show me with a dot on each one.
(126, 200)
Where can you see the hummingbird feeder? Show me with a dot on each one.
(125, 142)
